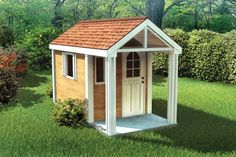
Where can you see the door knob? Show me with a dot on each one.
(142, 81)
(142, 77)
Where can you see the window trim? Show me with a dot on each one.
(64, 65)
(133, 68)
(99, 83)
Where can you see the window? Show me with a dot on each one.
(99, 70)
(69, 65)
(132, 65)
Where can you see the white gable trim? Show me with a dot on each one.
(164, 36)
(157, 49)
(88, 51)
(112, 50)
(157, 31)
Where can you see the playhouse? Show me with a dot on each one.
(108, 63)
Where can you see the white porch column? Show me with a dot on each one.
(172, 88)
(149, 82)
(110, 66)
(53, 77)
(89, 87)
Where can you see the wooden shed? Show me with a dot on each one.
(108, 63)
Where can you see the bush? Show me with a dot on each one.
(35, 45)
(206, 55)
(12, 60)
(6, 36)
(70, 112)
(160, 61)
(8, 85)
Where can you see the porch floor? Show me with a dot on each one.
(135, 123)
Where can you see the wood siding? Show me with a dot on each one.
(99, 93)
(68, 88)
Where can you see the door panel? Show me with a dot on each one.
(133, 84)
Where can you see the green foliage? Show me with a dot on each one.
(70, 112)
(222, 23)
(50, 91)
(206, 55)
(8, 85)
(35, 45)
(6, 36)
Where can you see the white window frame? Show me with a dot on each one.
(99, 83)
(64, 65)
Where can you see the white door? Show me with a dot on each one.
(134, 73)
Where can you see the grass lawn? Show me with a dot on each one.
(206, 124)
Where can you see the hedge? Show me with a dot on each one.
(206, 55)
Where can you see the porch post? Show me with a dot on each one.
(172, 88)
(89, 87)
(149, 82)
(53, 77)
(110, 66)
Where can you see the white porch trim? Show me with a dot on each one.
(53, 77)
(89, 87)
(172, 88)
(148, 50)
(110, 70)
(112, 50)
(164, 36)
(145, 37)
(79, 50)
(149, 83)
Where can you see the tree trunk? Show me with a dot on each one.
(155, 11)
(196, 15)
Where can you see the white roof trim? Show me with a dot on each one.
(157, 49)
(126, 38)
(147, 23)
(164, 36)
(80, 50)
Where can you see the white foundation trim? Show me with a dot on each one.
(89, 87)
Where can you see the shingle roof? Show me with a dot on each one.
(98, 34)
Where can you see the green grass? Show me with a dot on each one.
(206, 124)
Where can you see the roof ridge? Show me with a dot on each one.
(115, 19)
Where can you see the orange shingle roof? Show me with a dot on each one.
(98, 34)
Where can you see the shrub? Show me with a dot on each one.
(201, 47)
(206, 55)
(12, 60)
(8, 85)
(228, 61)
(6, 36)
(70, 112)
(35, 45)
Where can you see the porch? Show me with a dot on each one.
(135, 123)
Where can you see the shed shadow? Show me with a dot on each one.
(33, 80)
(196, 130)
(159, 80)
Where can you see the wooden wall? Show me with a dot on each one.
(99, 93)
(68, 88)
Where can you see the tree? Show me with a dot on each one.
(57, 19)
(155, 11)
